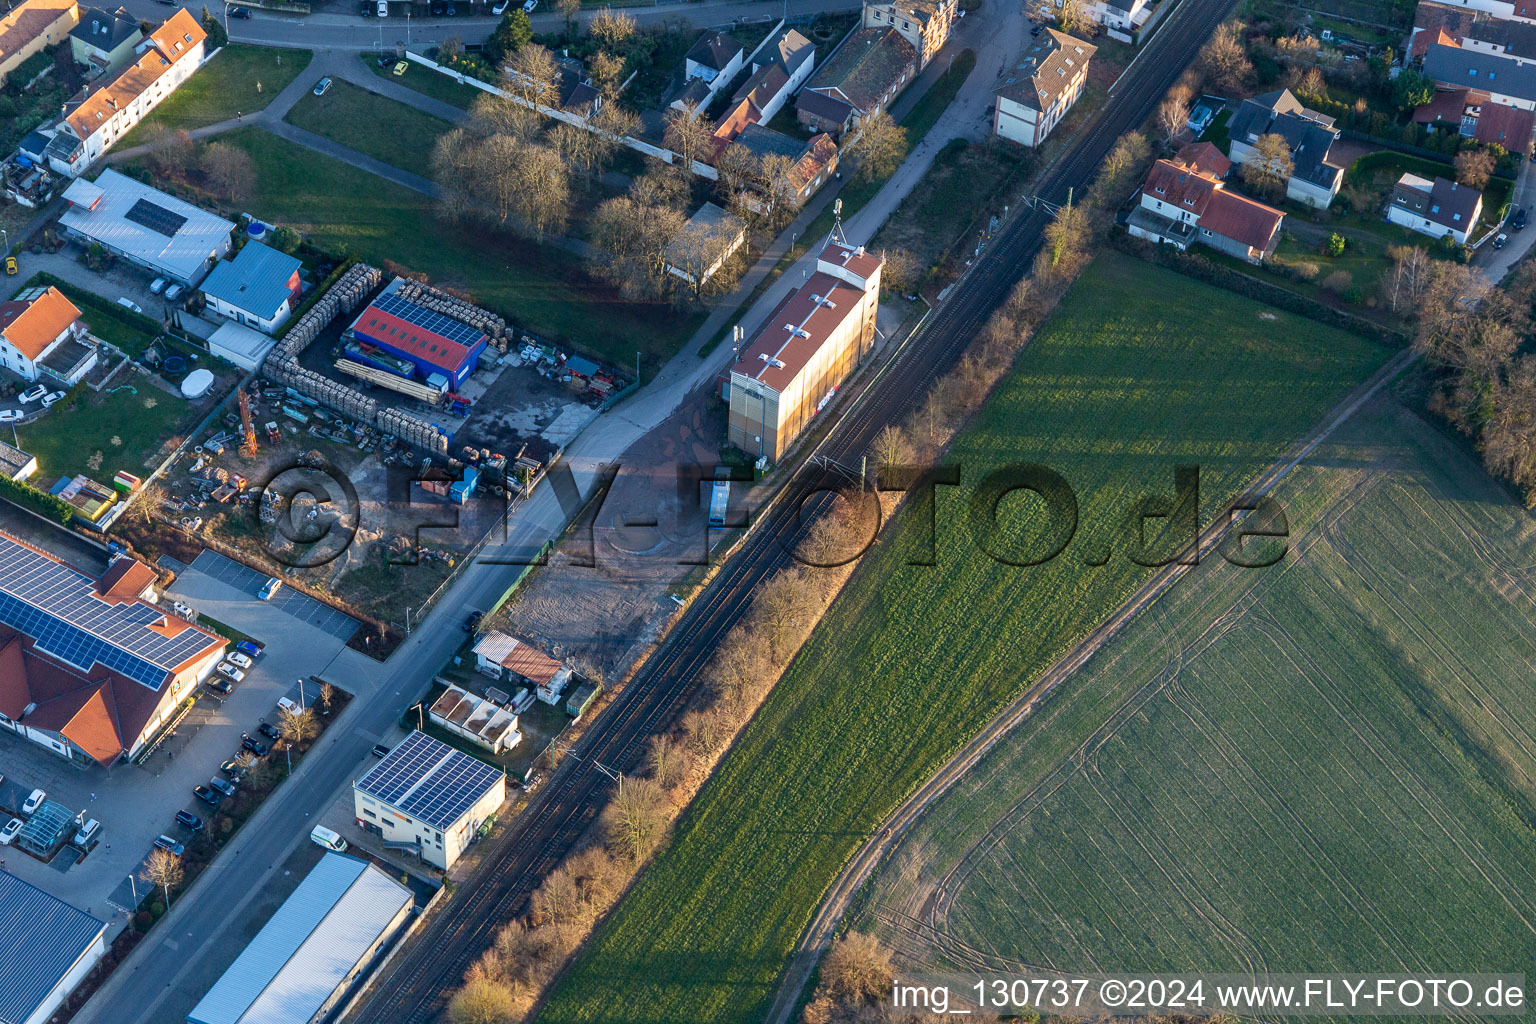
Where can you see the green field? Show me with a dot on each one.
(241, 79)
(1141, 370)
(426, 81)
(374, 125)
(1317, 767)
(105, 433)
(538, 288)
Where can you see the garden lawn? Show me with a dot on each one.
(116, 431)
(1286, 769)
(1140, 370)
(539, 288)
(426, 81)
(374, 125)
(241, 79)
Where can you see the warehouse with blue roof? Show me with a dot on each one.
(46, 948)
(259, 288)
(312, 951)
(431, 343)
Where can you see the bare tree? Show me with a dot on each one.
(483, 1001)
(607, 72)
(531, 72)
(229, 172)
(1406, 279)
(663, 760)
(688, 136)
(163, 868)
(1474, 167)
(1269, 166)
(297, 727)
(1173, 115)
(1225, 58)
(1073, 17)
(612, 30)
(568, 10)
(636, 818)
(880, 147)
(558, 897)
(891, 450)
(707, 254)
(898, 271)
(856, 969)
(455, 166)
(327, 695)
(735, 165)
(630, 236)
(492, 115)
(779, 608)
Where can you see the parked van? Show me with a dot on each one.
(328, 839)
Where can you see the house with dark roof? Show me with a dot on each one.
(1505, 79)
(92, 668)
(1185, 202)
(1308, 134)
(104, 40)
(47, 947)
(925, 24)
(711, 236)
(863, 75)
(1488, 21)
(715, 55)
(1471, 114)
(1119, 17)
(811, 162)
(259, 287)
(1038, 91)
(1436, 208)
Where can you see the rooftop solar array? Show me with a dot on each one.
(429, 780)
(157, 218)
(443, 326)
(59, 608)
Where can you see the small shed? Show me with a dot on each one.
(582, 698)
(15, 463)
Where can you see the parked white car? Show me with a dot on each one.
(157, 286)
(10, 415)
(9, 832)
(229, 672)
(34, 802)
(129, 304)
(51, 399)
(33, 394)
(236, 658)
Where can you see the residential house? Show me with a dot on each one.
(1473, 115)
(866, 72)
(811, 162)
(1043, 85)
(710, 237)
(1469, 28)
(716, 57)
(1436, 208)
(803, 351)
(260, 287)
(104, 40)
(1185, 202)
(925, 24)
(1308, 134)
(41, 334)
(101, 114)
(425, 793)
(507, 658)
(794, 54)
(31, 27)
(1503, 78)
(1501, 10)
(1119, 17)
(92, 668)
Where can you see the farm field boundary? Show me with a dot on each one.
(1138, 372)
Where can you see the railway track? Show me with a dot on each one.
(415, 988)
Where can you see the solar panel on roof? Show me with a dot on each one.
(157, 218)
(58, 607)
(429, 780)
(443, 326)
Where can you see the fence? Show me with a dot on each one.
(703, 170)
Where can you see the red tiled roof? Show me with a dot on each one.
(426, 345)
(1204, 158)
(126, 577)
(30, 19)
(33, 325)
(860, 263)
(1447, 105)
(1508, 126)
(818, 308)
(1179, 186)
(531, 663)
(1241, 219)
(102, 713)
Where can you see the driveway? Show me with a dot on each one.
(1497, 263)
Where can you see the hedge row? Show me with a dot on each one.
(1407, 161)
(29, 497)
(1267, 292)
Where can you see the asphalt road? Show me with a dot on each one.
(415, 988)
(339, 26)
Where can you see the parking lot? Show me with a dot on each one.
(288, 601)
(135, 803)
